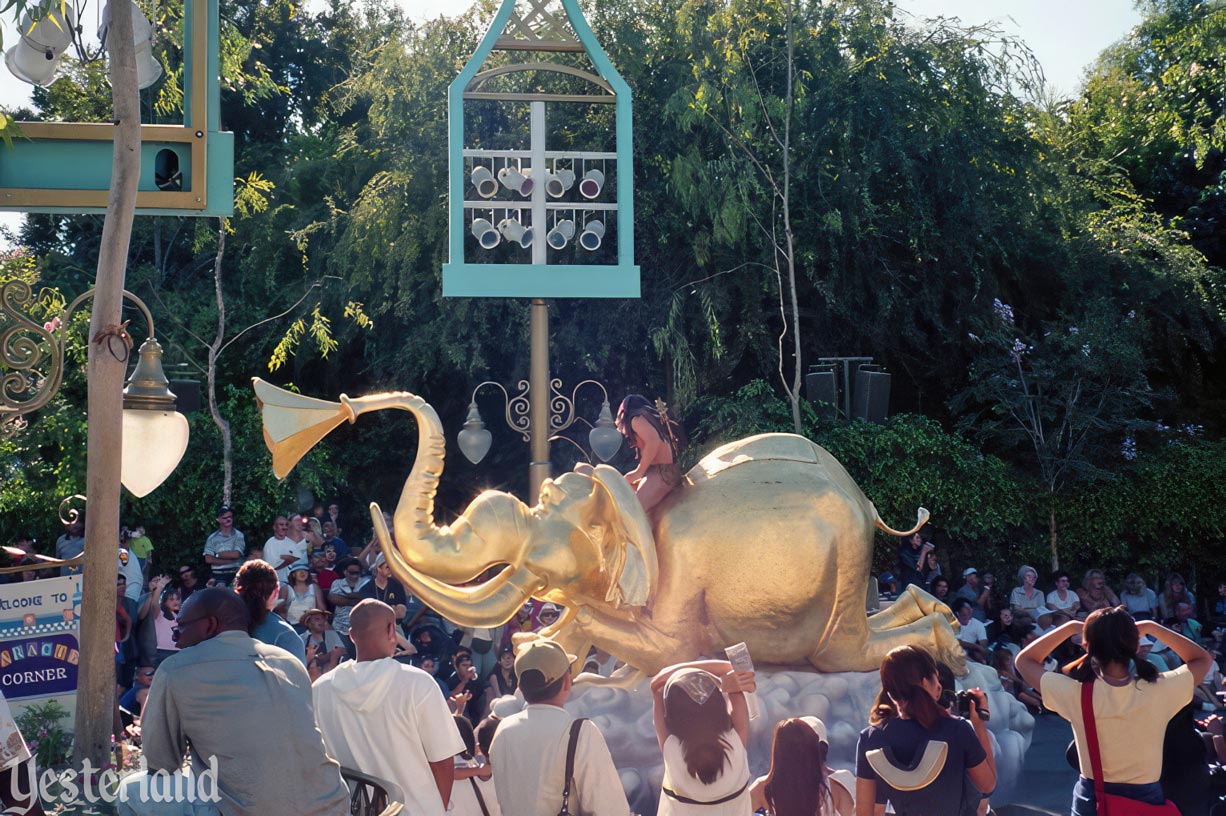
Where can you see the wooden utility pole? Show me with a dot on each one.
(107, 365)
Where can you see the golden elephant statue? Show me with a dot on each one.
(769, 541)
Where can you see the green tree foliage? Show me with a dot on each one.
(926, 187)
(1061, 397)
(1138, 167)
(1153, 107)
(1165, 509)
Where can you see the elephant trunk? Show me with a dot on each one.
(414, 517)
(430, 560)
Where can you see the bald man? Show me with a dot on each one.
(387, 718)
(245, 708)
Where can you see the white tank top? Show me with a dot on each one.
(299, 603)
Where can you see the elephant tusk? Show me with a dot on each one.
(921, 518)
(489, 604)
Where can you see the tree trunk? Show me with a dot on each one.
(227, 450)
(794, 391)
(106, 367)
(1051, 526)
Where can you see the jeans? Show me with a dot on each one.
(1085, 803)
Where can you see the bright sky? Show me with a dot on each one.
(1066, 35)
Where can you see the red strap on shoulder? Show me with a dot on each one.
(1091, 729)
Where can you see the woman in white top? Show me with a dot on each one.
(1026, 598)
(1132, 701)
(702, 724)
(300, 594)
(1063, 599)
(799, 782)
(164, 623)
(472, 792)
(1139, 599)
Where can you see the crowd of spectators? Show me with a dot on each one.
(995, 626)
(300, 588)
(363, 641)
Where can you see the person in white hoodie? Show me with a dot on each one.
(386, 718)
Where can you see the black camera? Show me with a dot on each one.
(963, 700)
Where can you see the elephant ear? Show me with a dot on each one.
(617, 510)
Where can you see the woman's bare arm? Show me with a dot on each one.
(1199, 661)
(1029, 661)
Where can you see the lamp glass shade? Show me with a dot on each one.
(148, 69)
(605, 442)
(474, 439)
(153, 444)
(604, 438)
(475, 443)
(31, 65)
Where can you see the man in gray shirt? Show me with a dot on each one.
(224, 549)
(245, 708)
(70, 545)
(975, 592)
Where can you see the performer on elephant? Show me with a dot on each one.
(657, 440)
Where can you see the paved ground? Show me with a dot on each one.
(1046, 784)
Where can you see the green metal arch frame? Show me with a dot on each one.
(623, 147)
(485, 76)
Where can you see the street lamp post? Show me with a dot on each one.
(135, 437)
(154, 433)
(539, 407)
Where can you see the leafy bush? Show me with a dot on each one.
(42, 726)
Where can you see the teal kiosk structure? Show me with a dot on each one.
(532, 220)
(187, 169)
(536, 212)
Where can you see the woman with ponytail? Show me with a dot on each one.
(915, 754)
(1131, 700)
(702, 723)
(257, 584)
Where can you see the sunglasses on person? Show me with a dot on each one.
(177, 630)
(353, 573)
(185, 573)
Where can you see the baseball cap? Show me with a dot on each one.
(223, 509)
(540, 663)
(969, 571)
(697, 684)
(818, 727)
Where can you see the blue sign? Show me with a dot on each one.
(39, 649)
(39, 666)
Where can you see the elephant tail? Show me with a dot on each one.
(921, 518)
